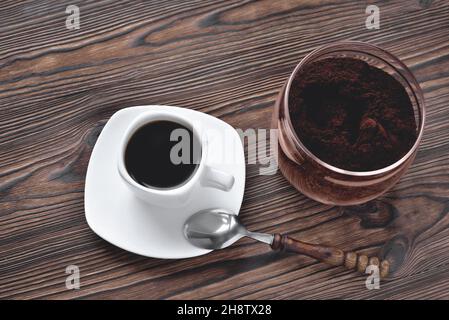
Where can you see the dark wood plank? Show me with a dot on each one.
(229, 59)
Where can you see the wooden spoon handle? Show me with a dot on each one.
(329, 254)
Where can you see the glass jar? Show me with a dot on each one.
(322, 181)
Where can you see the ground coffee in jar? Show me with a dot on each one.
(352, 115)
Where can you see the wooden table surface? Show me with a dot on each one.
(58, 88)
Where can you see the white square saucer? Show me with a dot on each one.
(118, 216)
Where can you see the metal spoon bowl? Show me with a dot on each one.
(218, 229)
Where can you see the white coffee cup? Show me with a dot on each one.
(204, 176)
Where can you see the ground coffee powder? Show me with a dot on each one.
(351, 115)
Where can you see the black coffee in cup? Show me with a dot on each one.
(162, 154)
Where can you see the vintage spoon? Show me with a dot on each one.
(218, 229)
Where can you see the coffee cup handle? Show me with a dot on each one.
(217, 179)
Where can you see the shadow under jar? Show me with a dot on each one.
(322, 181)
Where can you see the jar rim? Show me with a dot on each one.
(367, 49)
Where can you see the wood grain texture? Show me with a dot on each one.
(230, 59)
